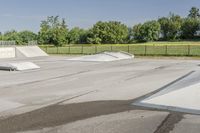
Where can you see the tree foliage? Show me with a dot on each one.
(170, 27)
(77, 36)
(149, 31)
(189, 28)
(108, 32)
(26, 36)
(136, 32)
(53, 31)
(194, 13)
(21, 38)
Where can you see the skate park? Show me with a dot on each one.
(106, 92)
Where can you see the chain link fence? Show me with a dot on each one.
(143, 50)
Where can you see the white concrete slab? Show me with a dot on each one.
(7, 52)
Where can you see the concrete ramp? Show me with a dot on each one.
(184, 100)
(104, 57)
(7, 52)
(181, 96)
(30, 51)
(18, 66)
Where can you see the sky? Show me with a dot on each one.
(27, 14)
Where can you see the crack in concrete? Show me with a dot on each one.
(147, 72)
(47, 79)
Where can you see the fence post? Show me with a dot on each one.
(128, 48)
(145, 50)
(69, 49)
(57, 50)
(166, 50)
(188, 50)
(111, 48)
(95, 49)
(82, 49)
(46, 49)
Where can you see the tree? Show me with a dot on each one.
(194, 13)
(149, 31)
(84, 37)
(111, 32)
(170, 27)
(130, 38)
(26, 36)
(53, 31)
(136, 32)
(1, 36)
(12, 36)
(164, 24)
(76, 35)
(189, 27)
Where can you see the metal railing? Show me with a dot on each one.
(7, 43)
(13, 43)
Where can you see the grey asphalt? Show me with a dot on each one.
(91, 97)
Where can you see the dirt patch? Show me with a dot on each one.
(169, 123)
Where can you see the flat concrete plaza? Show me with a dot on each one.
(66, 96)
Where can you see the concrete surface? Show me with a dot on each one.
(64, 93)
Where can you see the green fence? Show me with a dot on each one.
(147, 50)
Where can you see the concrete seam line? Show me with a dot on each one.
(47, 79)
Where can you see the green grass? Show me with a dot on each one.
(184, 48)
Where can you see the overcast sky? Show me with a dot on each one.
(27, 14)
